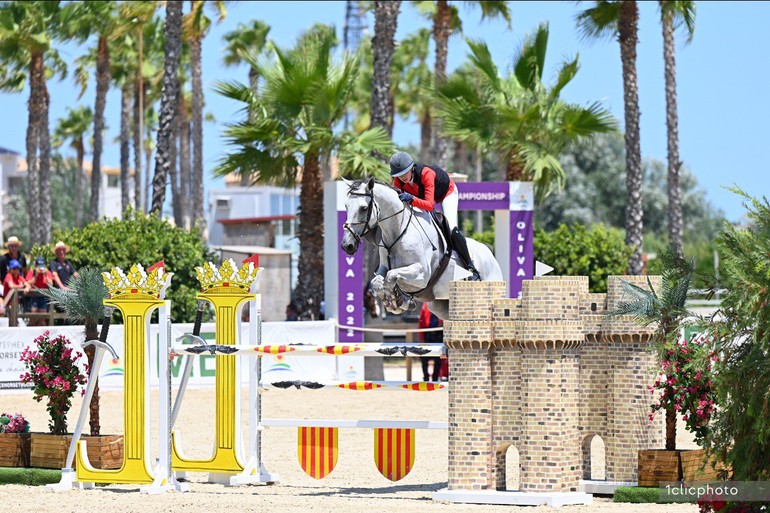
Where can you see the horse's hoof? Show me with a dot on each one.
(411, 305)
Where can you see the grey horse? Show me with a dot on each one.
(410, 249)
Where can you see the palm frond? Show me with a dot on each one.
(577, 121)
(357, 153)
(530, 60)
(83, 302)
(599, 21)
(481, 57)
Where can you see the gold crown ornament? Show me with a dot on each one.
(138, 283)
(227, 277)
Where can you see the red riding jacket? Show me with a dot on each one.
(429, 186)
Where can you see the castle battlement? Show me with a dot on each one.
(546, 373)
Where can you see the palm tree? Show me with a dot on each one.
(82, 20)
(385, 24)
(197, 24)
(304, 98)
(75, 127)
(415, 78)
(446, 21)
(82, 302)
(525, 120)
(246, 40)
(672, 13)
(666, 309)
(619, 18)
(173, 31)
(26, 32)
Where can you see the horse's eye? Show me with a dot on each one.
(363, 208)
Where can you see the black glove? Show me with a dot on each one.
(406, 197)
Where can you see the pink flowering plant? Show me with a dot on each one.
(10, 423)
(52, 370)
(684, 384)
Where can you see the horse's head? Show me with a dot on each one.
(361, 218)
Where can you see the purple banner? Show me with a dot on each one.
(350, 300)
(483, 195)
(522, 257)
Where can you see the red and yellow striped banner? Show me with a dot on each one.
(317, 450)
(359, 385)
(394, 452)
(274, 349)
(339, 349)
(423, 386)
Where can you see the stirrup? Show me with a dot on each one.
(475, 276)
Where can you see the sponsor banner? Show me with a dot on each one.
(483, 195)
(351, 282)
(522, 259)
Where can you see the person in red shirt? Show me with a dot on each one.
(430, 320)
(423, 187)
(14, 281)
(41, 278)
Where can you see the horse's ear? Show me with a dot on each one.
(370, 185)
(346, 182)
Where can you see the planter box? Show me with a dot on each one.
(50, 451)
(658, 465)
(692, 461)
(14, 449)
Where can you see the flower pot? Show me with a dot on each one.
(14, 449)
(50, 451)
(692, 461)
(658, 465)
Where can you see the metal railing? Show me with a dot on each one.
(14, 310)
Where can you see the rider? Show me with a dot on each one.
(424, 187)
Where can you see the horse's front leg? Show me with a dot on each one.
(413, 275)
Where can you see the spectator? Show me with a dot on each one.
(13, 244)
(41, 278)
(61, 268)
(291, 312)
(14, 280)
(430, 320)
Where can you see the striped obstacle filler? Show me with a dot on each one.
(318, 443)
(364, 349)
(414, 386)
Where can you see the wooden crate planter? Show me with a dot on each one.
(658, 465)
(14, 449)
(50, 451)
(692, 461)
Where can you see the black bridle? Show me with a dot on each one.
(366, 229)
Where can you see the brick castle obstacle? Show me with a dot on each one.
(544, 373)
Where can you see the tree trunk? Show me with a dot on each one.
(92, 333)
(173, 169)
(514, 170)
(672, 125)
(80, 155)
(383, 43)
(627, 34)
(36, 75)
(102, 85)
(44, 138)
(125, 148)
(425, 135)
(138, 194)
(186, 179)
(670, 430)
(310, 281)
(173, 31)
(139, 202)
(441, 31)
(197, 202)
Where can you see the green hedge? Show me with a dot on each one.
(637, 495)
(142, 239)
(29, 476)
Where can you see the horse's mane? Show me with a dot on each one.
(364, 181)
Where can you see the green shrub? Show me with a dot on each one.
(144, 240)
(637, 495)
(29, 476)
(597, 252)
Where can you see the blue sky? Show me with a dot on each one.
(722, 79)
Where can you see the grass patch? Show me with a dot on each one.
(637, 495)
(29, 476)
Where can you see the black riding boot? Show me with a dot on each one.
(458, 241)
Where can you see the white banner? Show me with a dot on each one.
(274, 368)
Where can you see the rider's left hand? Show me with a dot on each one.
(406, 197)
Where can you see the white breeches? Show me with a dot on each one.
(449, 208)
